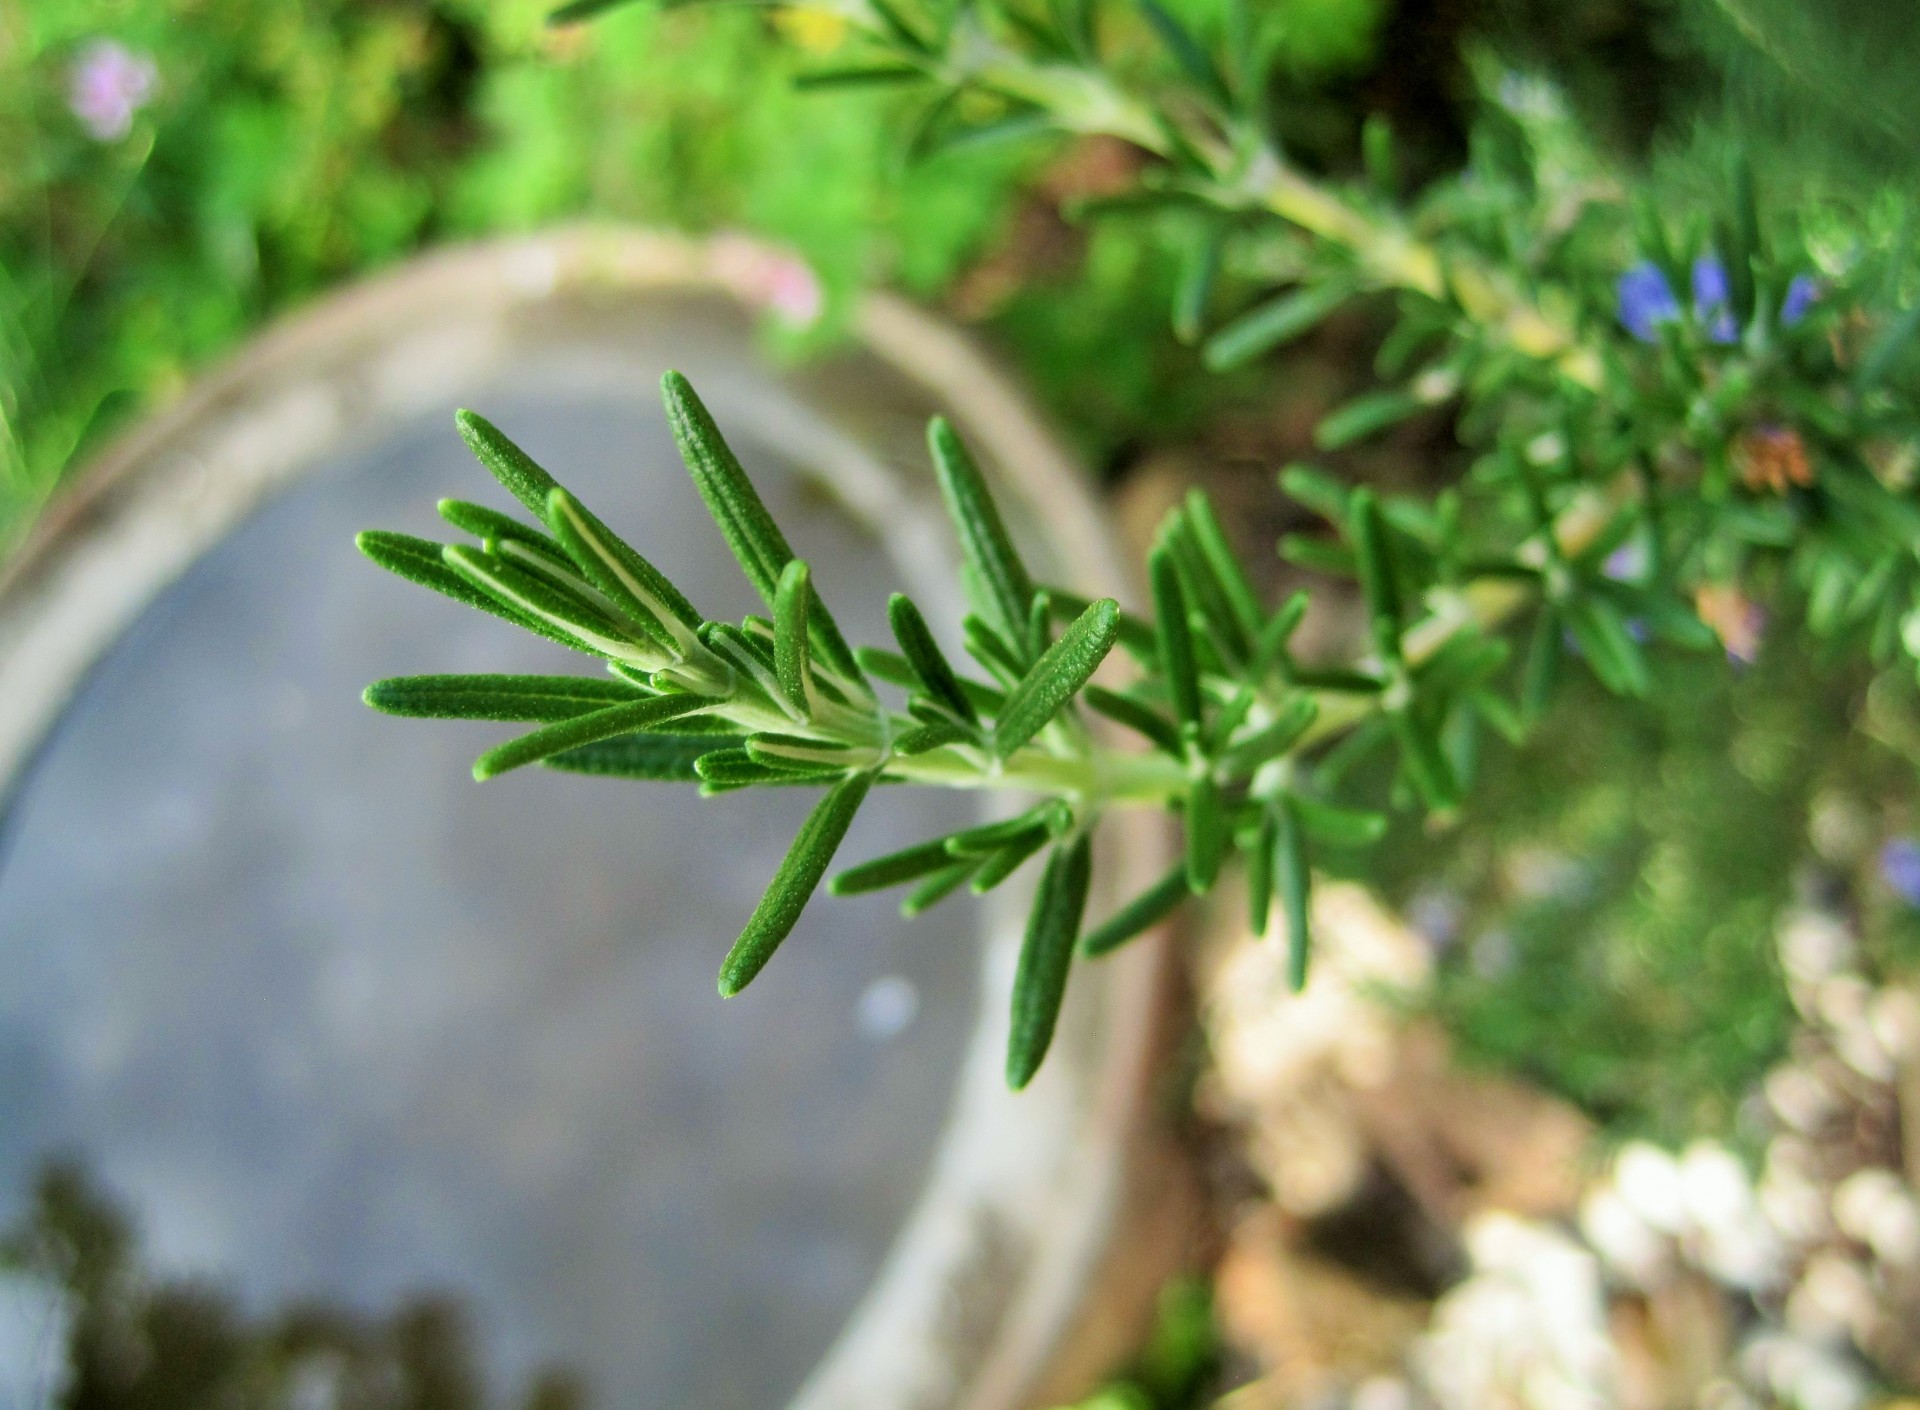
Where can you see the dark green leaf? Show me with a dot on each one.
(929, 737)
(1175, 637)
(858, 76)
(793, 885)
(1136, 715)
(1140, 914)
(537, 699)
(1224, 566)
(1004, 591)
(618, 570)
(668, 758)
(1049, 819)
(1318, 491)
(1426, 763)
(1194, 292)
(579, 10)
(930, 669)
(1377, 577)
(420, 561)
(1272, 740)
(1206, 820)
(736, 507)
(790, 656)
(1040, 980)
(894, 668)
(1006, 861)
(1136, 632)
(1337, 826)
(1057, 676)
(938, 887)
(1260, 857)
(1364, 415)
(1272, 324)
(568, 734)
(1295, 884)
(507, 463)
(908, 864)
(535, 597)
(1602, 635)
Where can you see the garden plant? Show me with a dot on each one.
(1673, 416)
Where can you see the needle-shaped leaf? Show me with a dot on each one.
(579, 11)
(1048, 818)
(1602, 635)
(723, 770)
(929, 737)
(793, 885)
(1057, 676)
(1337, 826)
(1003, 863)
(1199, 268)
(421, 561)
(488, 524)
(790, 654)
(1426, 762)
(1294, 882)
(1185, 49)
(1206, 818)
(937, 887)
(506, 462)
(930, 666)
(795, 752)
(1209, 613)
(583, 729)
(1136, 632)
(1175, 637)
(1136, 715)
(1139, 915)
(538, 699)
(666, 758)
(908, 864)
(1002, 586)
(991, 649)
(1273, 739)
(1260, 858)
(618, 570)
(1363, 416)
(1271, 325)
(1046, 955)
(1224, 565)
(568, 616)
(745, 523)
(1377, 578)
(895, 669)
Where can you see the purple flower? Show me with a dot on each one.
(1646, 300)
(1900, 869)
(109, 84)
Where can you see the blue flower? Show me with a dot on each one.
(1647, 300)
(1800, 296)
(1900, 869)
(1713, 300)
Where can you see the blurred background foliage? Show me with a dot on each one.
(285, 146)
(277, 147)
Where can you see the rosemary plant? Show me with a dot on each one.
(1642, 464)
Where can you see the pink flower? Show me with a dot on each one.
(781, 283)
(110, 83)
